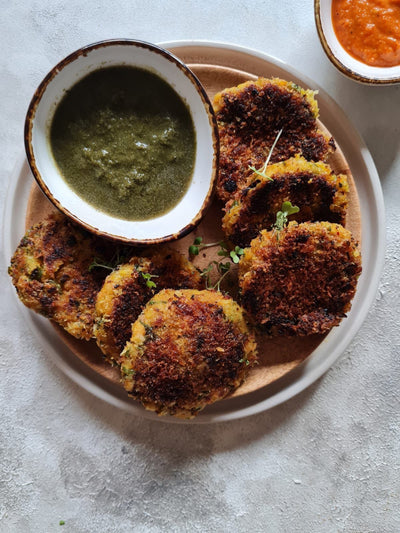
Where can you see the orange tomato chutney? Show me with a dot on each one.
(369, 30)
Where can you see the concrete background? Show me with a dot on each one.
(325, 461)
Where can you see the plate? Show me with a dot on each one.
(221, 65)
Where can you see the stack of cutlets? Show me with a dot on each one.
(251, 115)
(178, 347)
(303, 279)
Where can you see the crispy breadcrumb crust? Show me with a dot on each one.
(125, 293)
(300, 280)
(313, 187)
(249, 118)
(188, 349)
(50, 271)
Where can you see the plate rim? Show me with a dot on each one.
(296, 380)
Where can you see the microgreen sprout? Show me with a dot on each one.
(221, 267)
(149, 282)
(198, 245)
(264, 168)
(99, 263)
(282, 216)
(234, 254)
(120, 256)
(195, 247)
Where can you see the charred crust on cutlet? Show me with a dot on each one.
(126, 292)
(249, 121)
(126, 308)
(50, 270)
(192, 353)
(71, 241)
(170, 383)
(260, 109)
(301, 282)
(315, 194)
(230, 185)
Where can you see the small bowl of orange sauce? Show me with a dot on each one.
(361, 38)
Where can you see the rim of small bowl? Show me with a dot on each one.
(347, 71)
(37, 96)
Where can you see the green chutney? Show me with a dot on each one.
(124, 141)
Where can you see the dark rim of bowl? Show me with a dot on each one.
(338, 64)
(207, 106)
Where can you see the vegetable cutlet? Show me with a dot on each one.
(51, 271)
(188, 349)
(251, 115)
(313, 187)
(300, 280)
(127, 290)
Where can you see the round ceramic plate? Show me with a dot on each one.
(219, 66)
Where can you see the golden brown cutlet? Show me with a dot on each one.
(51, 272)
(250, 117)
(188, 349)
(312, 187)
(127, 290)
(300, 280)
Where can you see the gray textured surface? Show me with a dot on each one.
(326, 461)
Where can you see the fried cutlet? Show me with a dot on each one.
(313, 187)
(300, 280)
(188, 349)
(51, 271)
(250, 117)
(127, 290)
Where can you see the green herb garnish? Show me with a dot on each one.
(282, 216)
(264, 168)
(36, 274)
(225, 251)
(198, 245)
(236, 253)
(221, 267)
(120, 256)
(61, 522)
(149, 283)
(296, 87)
(128, 371)
(195, 247)
(99, 263)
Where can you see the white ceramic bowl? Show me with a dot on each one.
(342, 60)
(191, 208)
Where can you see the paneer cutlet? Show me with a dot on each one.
(250, 117)
(300, 280)
(51, 271)
(319, 194)
(127, 290)
(188, 349)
